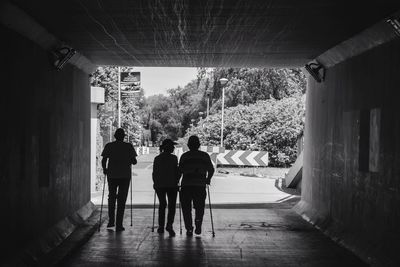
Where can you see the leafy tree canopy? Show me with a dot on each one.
(132, 108)
(267, 125)
(264, 110)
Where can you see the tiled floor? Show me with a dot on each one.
(272, 236)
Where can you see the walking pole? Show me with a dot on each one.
(209, 203)
(102, 199)
(131, 203)
(180, 211)
(154, 210)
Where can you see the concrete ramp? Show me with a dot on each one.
(293, 177)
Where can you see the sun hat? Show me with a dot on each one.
(168, 142)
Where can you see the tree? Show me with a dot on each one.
(252, 98)
(265, 110)
(269, 125)
(107, 77)
(130, 120)
(249, 85)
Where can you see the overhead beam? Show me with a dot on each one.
(380, 33)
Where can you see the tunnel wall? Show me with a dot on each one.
(44, 141)
(351, 172)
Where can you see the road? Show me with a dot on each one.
(224, 189)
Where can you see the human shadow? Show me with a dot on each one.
(193, 252)
(166, 254)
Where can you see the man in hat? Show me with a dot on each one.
(120, 156)
(197, 170)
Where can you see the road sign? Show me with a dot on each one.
(130, 83)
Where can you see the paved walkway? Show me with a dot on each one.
(224, 189)
(274, 236)
(267, 234)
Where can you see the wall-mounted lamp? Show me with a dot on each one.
(62, 55)
(316, 70)
(395, 23)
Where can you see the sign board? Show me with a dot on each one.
(130, 83)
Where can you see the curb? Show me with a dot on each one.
(59, 255)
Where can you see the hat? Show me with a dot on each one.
(168, 142)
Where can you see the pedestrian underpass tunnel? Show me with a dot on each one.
(351, 183)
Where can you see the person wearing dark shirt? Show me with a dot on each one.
(118, 157)
(165, 178)
(197, 170)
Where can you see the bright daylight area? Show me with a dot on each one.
(250, 121)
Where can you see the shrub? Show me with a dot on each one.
(268, 125)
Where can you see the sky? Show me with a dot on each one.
(156, 80)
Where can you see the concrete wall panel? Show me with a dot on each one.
(358, 206)
(44, 140)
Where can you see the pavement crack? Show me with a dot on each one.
(141, 241)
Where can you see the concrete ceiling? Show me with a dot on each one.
(264, 33)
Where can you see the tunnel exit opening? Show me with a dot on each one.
(252, 147)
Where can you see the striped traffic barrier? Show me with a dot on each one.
(231, 157)
(142, 150)
(243, 158)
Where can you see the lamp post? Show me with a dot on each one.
(208, 93)
(119, 97)
(201, 117)
(111, 128)
(223, 81)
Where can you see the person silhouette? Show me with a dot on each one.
(120, 156)
(165, 178)
(197, 170)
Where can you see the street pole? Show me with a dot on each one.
(222, 81)
(119, 97)
(201, 117)
(222, 116)
(208, 106)
(110, 130)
